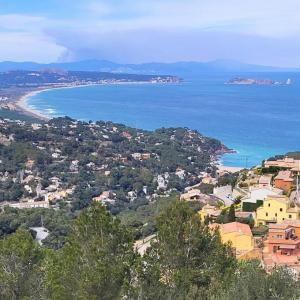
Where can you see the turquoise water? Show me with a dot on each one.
(257, 121)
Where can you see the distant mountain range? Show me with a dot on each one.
(178, 68)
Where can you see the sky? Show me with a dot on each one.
(265, 32)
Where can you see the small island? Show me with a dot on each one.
(253, 81)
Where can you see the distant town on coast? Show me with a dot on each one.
(149, 150)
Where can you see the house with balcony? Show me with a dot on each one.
(286, 162)
(192, 195)
(282, 247)
(284, 238)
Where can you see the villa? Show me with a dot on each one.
(284, 238)
(284, 180)
(28, 204)
(276, 209)
(256, 197)
(239, 235)
(264, 181)
(286, 162)
(282, 247)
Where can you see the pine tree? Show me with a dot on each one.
(20, 261)
(187, 260)
(95, 262)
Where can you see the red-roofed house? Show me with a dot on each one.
(284, 180)
(238, 234)
(282, 248)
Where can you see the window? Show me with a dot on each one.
(269, 204)
(267, 214)
(279, 236)
(275, 214)
(290, 216)
(280, 209)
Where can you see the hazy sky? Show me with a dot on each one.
(257, 31)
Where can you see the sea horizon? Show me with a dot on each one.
(256, 121)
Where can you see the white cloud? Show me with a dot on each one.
(22, 38)
(159, 29)
(266, 18)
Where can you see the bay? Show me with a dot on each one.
(258, 121)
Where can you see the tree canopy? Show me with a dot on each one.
(185, 260)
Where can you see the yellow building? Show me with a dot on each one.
(209, 211)
(238, 234)
(276, 209)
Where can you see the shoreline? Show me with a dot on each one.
(21, 103)
(221, 168)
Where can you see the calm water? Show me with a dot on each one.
(257, 121)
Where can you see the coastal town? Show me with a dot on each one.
(68, 163)
(149, 150)
(256, 210)
(259, 215)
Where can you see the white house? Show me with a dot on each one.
(259, 194)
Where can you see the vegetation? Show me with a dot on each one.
(185, 261)
(295, 154)
(15, 115)
(251, 282)
(228, 179)
(56, 221)
(137, 170)
(29, 78)
(251, 207)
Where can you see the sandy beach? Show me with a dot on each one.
(21, 104)
(222, 168)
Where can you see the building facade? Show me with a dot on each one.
(276, 209)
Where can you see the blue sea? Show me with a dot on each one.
(257, 121)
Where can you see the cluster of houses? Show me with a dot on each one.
(105, 158)
(270, 202)
(45, 197)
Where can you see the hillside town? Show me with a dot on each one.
(66, 162)
(52, 171)
(260, 214)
